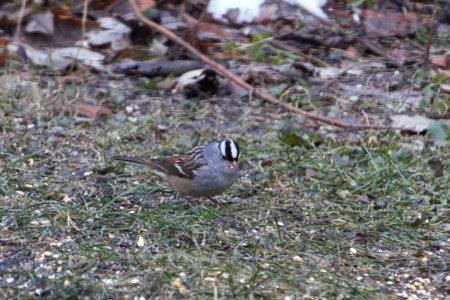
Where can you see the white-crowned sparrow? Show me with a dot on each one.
(204, 171)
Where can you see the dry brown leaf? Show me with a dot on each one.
(4, 42)
(440, 61)
(61, 11)
(93, 111)
(384, 24)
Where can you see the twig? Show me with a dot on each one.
(23, 5)
(430, 39)
(84, 18)
(346, 54)
(378, 51)
(365, 117)
(281, 45)
(266, 97)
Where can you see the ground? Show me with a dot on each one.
(356, 215)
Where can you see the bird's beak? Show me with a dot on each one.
(234, 165)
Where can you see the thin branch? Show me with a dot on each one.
(23, 5)
(378, 51)
(430, 39)
(84, 18)
(281, 45)
(256, 92)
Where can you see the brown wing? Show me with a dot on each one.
(181, 165)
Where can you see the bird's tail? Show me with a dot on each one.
(134, 160)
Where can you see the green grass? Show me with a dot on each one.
(343, 220)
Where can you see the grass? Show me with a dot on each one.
(345, 219)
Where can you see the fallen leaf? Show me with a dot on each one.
(93, 111)
(440, 131)
(26, 52)
(411, 123)
(440, 61)
(85, 56)
(56, 29)
(60, 58)
(385, 24)
(328, 73)
(42, 23)
(111, 33)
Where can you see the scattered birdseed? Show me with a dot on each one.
(140, 241)
(135, 280)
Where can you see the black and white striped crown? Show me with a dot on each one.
(229, 150)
